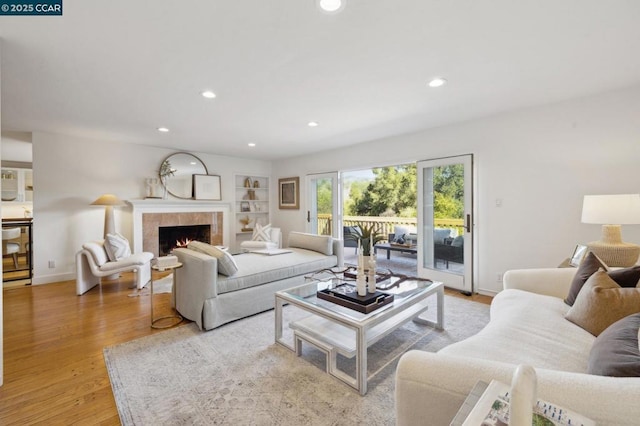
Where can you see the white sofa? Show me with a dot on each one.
(527, 326)
(211, 299)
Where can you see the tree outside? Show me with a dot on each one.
(392, 192)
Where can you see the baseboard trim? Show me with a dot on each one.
(53, 278)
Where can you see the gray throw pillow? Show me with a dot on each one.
(590, 264)
(615, 352)
(627, 277)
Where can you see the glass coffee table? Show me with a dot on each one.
(336, 329)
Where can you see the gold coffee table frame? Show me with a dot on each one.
(176, 316)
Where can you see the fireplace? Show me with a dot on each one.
(151, 215)
(170, 237)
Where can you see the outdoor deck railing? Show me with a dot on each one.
(384, 225)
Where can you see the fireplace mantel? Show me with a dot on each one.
(140, 207)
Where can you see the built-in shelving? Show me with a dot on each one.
(251, 204)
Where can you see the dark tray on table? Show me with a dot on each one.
(346, 295)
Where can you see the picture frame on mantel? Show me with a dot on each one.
(289, 193)
(207, 187)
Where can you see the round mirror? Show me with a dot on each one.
(176, 173)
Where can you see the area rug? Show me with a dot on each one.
(237, 375)
(163, 285)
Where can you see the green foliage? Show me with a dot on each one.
(392, 190)
(539, 420)
(366, 234)
(448, 187)
(166, 170)
(356, 191)
(393, 193)
(324, 196)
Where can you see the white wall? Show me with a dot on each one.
(539, 162)
(70, 173)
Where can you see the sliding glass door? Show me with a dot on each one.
(323, 204)
(445, 221)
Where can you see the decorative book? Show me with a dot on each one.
(494, 407)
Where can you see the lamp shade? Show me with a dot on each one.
(618, 209)
(612, 211)
(108, 200)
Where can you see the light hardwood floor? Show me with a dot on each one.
(54, 370)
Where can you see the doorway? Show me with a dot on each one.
(445, 221)
(324, 215)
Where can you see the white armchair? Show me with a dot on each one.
(92, 263)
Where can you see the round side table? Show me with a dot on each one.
(175, 316)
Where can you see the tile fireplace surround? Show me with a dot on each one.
(149, 215)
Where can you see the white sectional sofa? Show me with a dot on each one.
(527, 327)
(211, 299)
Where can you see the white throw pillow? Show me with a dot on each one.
(458, 241)
(262, 233)
(98, 252)
(439, 234)
(226, 264)
(117, 247)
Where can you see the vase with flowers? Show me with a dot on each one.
(165, 172)
(367, 236)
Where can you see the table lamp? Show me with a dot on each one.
(612, 211)
(108, 200)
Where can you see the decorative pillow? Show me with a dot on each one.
(601, 302)
(117, 247)
(262, 233)
(627, 277)
(590, 264)
(615, 352)
(97, 251)
(399, 239)
(320, 243)
(400, 231)
(458, 241)
(439, 234)
(226, 264)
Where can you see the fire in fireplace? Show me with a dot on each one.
(170, 237)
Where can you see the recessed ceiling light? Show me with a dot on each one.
(312, 124)
(331, 6)
(251, 144)
(437, 82)
(163, 129)
(208, 94)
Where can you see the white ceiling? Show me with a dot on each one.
(118, 69)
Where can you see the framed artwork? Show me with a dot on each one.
(578, 254)
(207, 187)
(289, 193)
(244, 206)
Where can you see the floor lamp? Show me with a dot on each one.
(612, 211)
(109, 201)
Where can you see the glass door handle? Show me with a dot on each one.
(467, 225)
